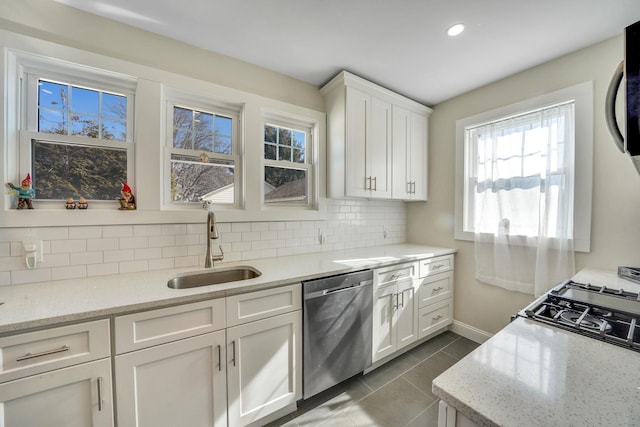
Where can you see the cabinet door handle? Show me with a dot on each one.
(100, 393)
(233, 353)
(413, 187)
(402, 293)
(367, 183)
(409, 187)
(43, 353)
(375, 183)
(219, 357)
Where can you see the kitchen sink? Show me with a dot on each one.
(214, 277)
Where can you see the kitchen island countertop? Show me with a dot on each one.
(532, 374)
(37, 305)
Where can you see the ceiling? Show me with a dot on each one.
(400, 44)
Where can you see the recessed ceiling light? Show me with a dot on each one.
(456, 29)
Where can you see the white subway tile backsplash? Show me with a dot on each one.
(94, 232)
(5, 249)
(103, 244)
(133, 266)
(86, 258)
(89, 251)
(134, 242)
(72, 272)
(117, 231)
(30, 276)
(118, 255)
(66, 246)
(102, 269)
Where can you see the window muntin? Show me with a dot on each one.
(65, 109)
(203, 156)
(77, 140)
(287, 168)
(507, 163)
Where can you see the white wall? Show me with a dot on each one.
(615, 235)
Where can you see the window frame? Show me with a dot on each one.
(582, 95)
(30, 70)
(311, 128)
(177, 98)
(307, 165)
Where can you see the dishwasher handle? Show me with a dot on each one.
(337, 289)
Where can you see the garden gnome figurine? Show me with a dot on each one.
(25, 193)
(128, 200)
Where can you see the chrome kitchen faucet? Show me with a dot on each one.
(212, 233)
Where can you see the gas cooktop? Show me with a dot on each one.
(610, 315)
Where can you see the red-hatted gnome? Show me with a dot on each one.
(25, 193)
(128, 200)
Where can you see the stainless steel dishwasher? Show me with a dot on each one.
(337, 326)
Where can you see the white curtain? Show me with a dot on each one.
(522, 169)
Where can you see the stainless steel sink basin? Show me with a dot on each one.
(214, 277)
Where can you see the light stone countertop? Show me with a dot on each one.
(532, 374)
(37, 305)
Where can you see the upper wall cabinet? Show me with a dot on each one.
(377, 141)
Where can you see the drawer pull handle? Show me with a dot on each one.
(43, 353)
(437, 266)
(99, 393)
(438, 317)
(438, 289)
(396, 276)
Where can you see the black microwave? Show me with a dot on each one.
(628, 74)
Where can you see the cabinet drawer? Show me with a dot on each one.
(436, 265)
(149, 328)
(257, 305)
(437, 287)
(390, 275)
(36, 352)
(434, 317)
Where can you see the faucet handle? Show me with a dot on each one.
(206, 204)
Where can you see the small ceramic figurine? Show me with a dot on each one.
(82, 203)
(128, 200)
(70, 203)
(25, 193)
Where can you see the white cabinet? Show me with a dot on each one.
(395, 309)
(435, 297)
(179, 383)
(60, 377)
(181, 366)
(409, 180)
(362, 141)
(170, 366)
(264, 355)
(360, 152)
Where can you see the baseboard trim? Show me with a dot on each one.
(470, 332)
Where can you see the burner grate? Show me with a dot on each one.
(577, 307)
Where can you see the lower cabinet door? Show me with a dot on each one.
(182, 383)
(264, 361)
(384, 322)
(407, 316)
(78, 396)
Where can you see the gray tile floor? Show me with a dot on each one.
(396, 394)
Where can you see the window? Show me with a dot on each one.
(203, 155)
(286, 165)
(77, 141)
(507, 156)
